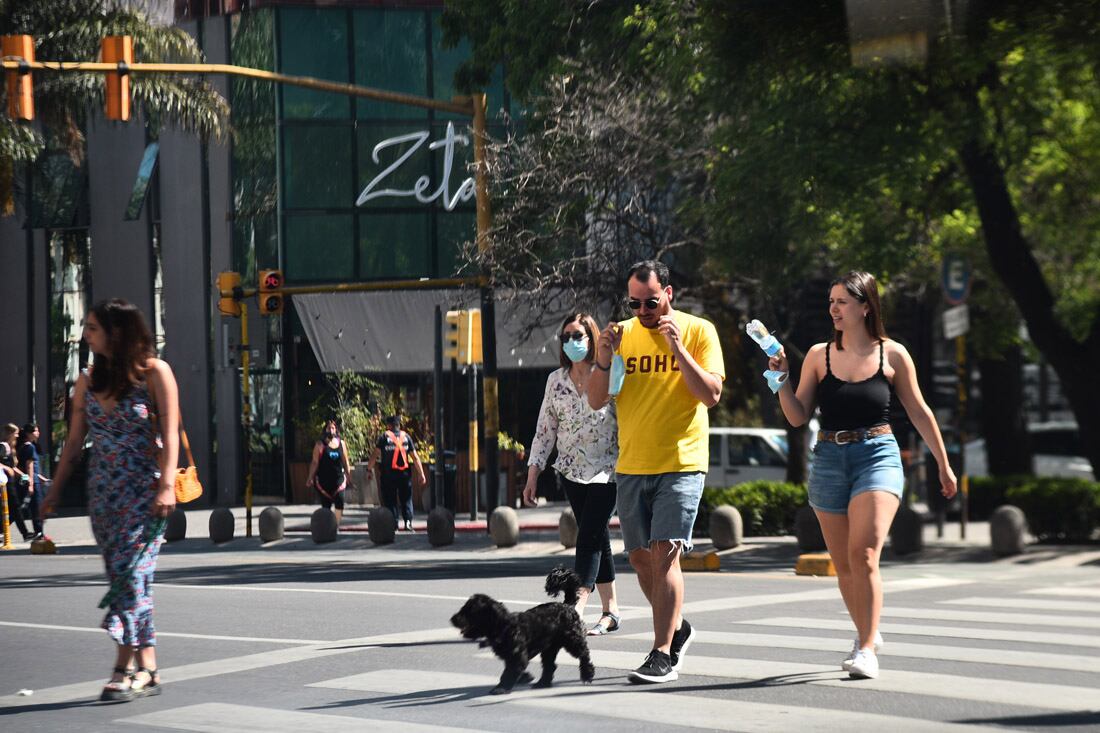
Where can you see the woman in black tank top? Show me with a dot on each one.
(856, 479)
(329, 470)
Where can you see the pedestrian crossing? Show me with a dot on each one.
(963, 653)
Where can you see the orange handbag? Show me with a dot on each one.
(188, 487)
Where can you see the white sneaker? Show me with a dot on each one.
(864, 666)
(847, 663)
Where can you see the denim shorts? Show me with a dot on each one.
(659, 506)
(841, 472)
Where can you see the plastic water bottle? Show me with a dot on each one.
(760, 335)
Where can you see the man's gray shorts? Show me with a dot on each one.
(659, 506)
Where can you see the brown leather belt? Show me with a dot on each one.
(841, 437)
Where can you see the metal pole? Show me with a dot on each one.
(437, 405)
(246, 419)
(7, 527)
(964, 480)
(488, 312)
(473, 449)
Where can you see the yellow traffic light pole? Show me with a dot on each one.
(472, 106)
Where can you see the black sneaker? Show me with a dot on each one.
(656, 668)
(681, 640)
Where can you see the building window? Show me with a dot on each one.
(69, 273)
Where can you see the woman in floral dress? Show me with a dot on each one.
(587, 442)
(130, 478)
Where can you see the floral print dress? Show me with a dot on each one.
(587, 439)
(122, 478)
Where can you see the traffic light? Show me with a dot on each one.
(228, 304)
(20, 88)
(462, 336)
(271, 292)
(117, 49)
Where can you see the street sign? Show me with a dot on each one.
(956, 279)
(956, 321)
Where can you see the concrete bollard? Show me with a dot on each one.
(222, 525)
(1008, 530)
(322, 526)
(726, 529)
(567, 528)
(176, 529)
(808, 531)
(381, 526)
(907, 532)
(441, 526)
(504, 526)
(271, 524)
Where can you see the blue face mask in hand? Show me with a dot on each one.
(576, 350)
(618, 374)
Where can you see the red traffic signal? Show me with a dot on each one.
(270, 298)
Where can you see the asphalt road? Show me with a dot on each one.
(348, 636)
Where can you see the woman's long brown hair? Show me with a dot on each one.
(862, 287)
(129, 346)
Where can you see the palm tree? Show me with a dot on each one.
(71, 30)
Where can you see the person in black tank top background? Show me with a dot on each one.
(856, 479)
(330, 469)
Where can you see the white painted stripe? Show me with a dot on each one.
(1041, 660)
(1012, 602)
(955, 687)
(337, 591)
(992, 617)
(91, 689)
(650, 709)
(177, 634)
(829, 592)
(215, 717)
(1068, 591)
(1036, 637)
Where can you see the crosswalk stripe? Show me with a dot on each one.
(647, 707)
(216, 717)
(1041, 660)
(957, 632)
(956, 687)
(992, 617)
(1068, 591)
(1036, 604)
(90, 689)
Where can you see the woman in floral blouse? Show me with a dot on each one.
(587, 445)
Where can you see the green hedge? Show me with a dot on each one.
(1058, 509)
(766, 507)
(988, 492)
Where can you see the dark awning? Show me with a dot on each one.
(393, 331)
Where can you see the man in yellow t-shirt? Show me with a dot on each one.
(674, 372)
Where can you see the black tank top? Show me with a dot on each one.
(330, 468)
(853, 405)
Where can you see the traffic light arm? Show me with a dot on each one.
(464, 107)
(424, 284)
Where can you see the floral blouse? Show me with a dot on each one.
(587, 439)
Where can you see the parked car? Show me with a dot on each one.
(738, 455)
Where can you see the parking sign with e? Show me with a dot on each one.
(956, 279)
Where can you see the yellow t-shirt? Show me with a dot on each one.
(663, 428)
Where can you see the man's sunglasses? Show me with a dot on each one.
(650, 303)
(572, 336)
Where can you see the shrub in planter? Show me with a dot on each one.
(988, 492)
(766, 507)
(1059, 509)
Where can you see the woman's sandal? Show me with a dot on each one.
(152, 687)
(599, 629)
(114, 691)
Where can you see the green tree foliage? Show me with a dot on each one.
(988, 148)
(71, 30)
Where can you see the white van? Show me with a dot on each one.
(738, 455)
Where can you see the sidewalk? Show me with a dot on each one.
(538, 536)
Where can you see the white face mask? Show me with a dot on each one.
(576, 350)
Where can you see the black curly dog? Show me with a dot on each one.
(516, 637)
